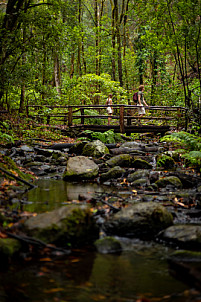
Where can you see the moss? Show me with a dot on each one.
(169, 180)
(108, 245)
(9, 246)
(75, 229)
(9, 165)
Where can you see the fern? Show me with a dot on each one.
(6, 138)
(108, 137)
(190, 141)
(192, 145)
(194, 157)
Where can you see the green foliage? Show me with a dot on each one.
(192, 144)
(6, 138)
(93, 89)
(108, 137)
(93, 120)
(190, 141)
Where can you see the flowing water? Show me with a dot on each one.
(139, 274)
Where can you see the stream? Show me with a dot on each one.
(139, 274)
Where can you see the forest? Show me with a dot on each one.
(68, 52)
(93, 215)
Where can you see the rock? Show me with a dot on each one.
(114, 172)
(186, 265)
(108, 245)
(188, 181)
(151, 148)
(169, 180)
(137, 175)
(122, 160)
(78, 148)
(27, 148)
(9, 247)
(183, 235)
(44, 152)
(126, 150)
(95, 149)
(165, 161)
(71, 224)
(80, 167)
(56, 154)
(141, 164)
(40, 158)
(141, 220)
(134, 145)
(141, 182)
(153, 176)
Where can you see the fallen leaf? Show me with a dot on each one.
(53, 290)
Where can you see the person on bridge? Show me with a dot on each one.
(109, 108)
(141, 100)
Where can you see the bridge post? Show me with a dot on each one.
(70, 116)
(48, 119)
(121, 119)
(82, 116)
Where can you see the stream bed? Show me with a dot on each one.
(139, 274)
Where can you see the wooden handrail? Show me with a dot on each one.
(122, 113)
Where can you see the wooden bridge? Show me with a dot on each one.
(125, 118)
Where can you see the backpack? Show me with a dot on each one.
(135, 98)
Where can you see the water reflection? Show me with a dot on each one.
(50, 194)
(95, 277)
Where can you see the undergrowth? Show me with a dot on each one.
(188, 146)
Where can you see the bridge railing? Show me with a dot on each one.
(123, 115)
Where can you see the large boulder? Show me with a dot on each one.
(79, 168)
(141, 220)
(68, 225)
(95, 149)
(184, 236)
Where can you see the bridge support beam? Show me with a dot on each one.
(121, 119)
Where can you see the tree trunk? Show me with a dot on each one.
(57, 74)
(154, 78)
(72, 64)
(79, 67)
(113, 45)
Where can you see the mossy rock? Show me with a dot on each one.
(80, 167)
(142, 220)
(108, 245)
(8, 247)
(9, 165)
(95, 149)
(78, 147)
(122, 160)
(138, 174)
(113, 173)
(169, 180)
(139, 163)
(165, 161)
(68, 225)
